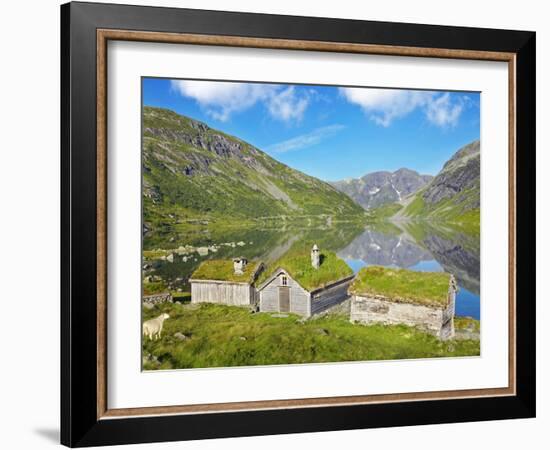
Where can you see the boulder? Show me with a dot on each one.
(180, 336)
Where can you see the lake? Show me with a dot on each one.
(412, 245)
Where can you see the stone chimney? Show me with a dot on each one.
(453, 287)
(315, 258)
(239, 264)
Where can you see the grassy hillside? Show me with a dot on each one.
(193, 173)
(208, 335)
(384, 212)
(457, 210)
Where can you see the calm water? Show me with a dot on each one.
(419, 247)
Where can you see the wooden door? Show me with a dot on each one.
(284, 299)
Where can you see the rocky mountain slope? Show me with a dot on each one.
(193, 171)
(380, 188)
(454, 194)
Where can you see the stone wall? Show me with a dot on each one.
(155, 299)
(374, 309)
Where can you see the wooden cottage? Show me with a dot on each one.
(397, 296)
(225, 281)
(305, 283)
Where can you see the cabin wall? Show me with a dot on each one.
(330, 296)
(370, 310)
(222, 292)
(300, 300)
(269, 297)
(299, 297)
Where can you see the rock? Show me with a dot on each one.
(148, 358)
(153, 299)
(466, 335)
(242, 338)
(202, 251)
(459, 173)
(148, 305)
(170, 258)
(380, 188)
(322, 331)
(181, 336)
(241, 244)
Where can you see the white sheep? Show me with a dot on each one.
(153, 328)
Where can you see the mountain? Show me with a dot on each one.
(192, 171)
(453, 195)
(381, 188)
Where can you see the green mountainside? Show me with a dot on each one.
(192, 172)
(454, 194)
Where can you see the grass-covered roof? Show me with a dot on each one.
(297, 262)
(222, 270)
(403, 286)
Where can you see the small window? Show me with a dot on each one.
(284, 280)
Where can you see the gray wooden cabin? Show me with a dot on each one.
(227, 291)
(282, 293)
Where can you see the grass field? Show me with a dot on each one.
(206, 335)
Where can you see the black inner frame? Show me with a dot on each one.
(79, 424)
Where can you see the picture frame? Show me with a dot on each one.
(86, 418)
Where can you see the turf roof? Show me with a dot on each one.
(297, 262)
(403, 286)
(222, 270)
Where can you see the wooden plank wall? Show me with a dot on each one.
(329, 297)
(221, 292)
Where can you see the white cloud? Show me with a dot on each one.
(383, 106)
(306, 140)
(286, 105)
(442, 112)
(221, 99)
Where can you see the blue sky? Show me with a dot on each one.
(330, 132)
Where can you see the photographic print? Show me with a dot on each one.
(292, 224)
